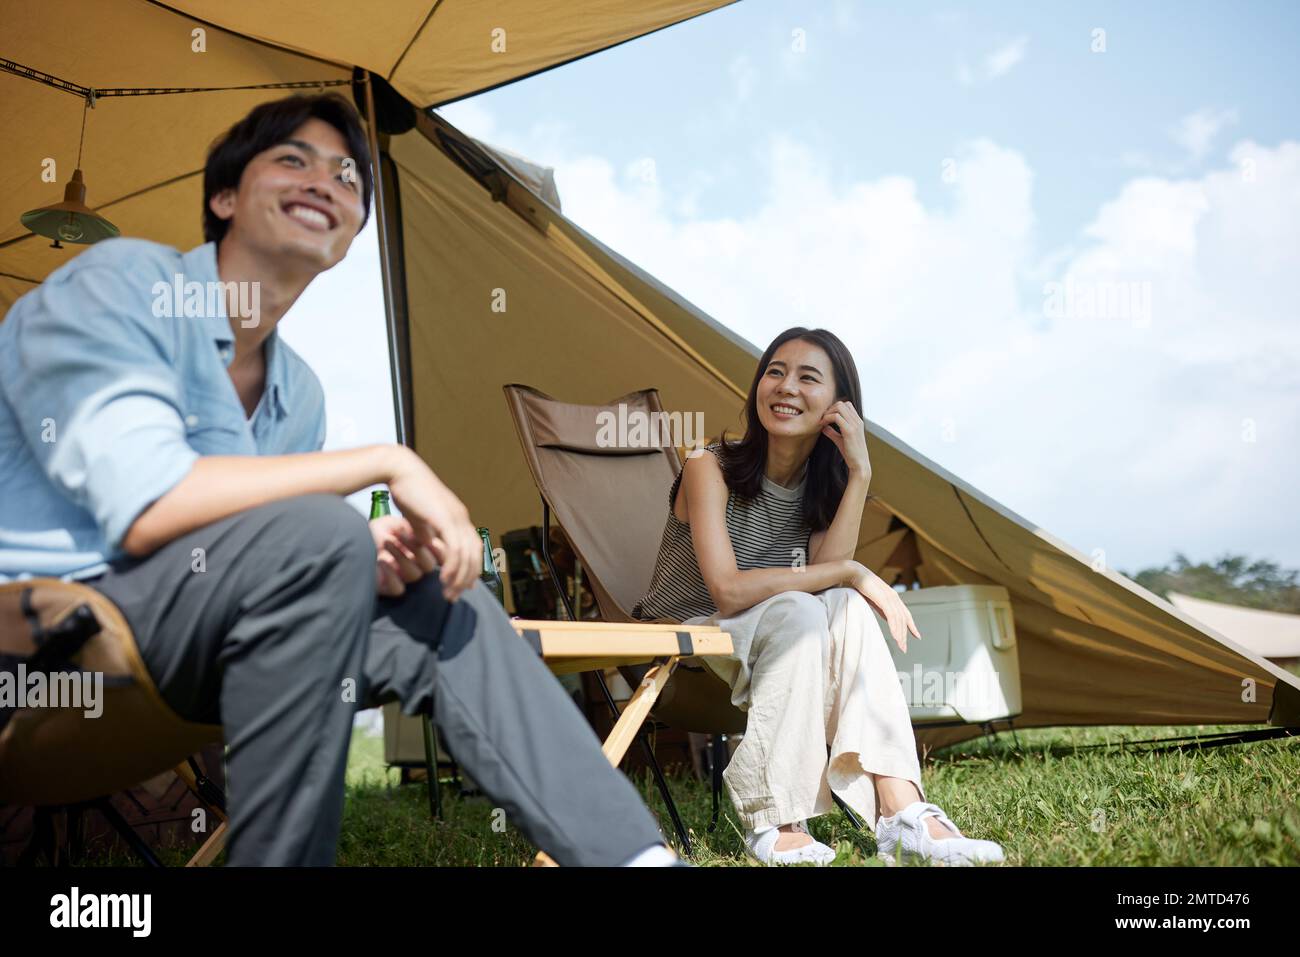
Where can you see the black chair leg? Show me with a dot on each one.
(848, 812)
(431, 769)
(717, 762)
(42, 840)
(105, 807)
(664, 792)
(76, 834)
(458, 783)
(682, 834)
(208, 792)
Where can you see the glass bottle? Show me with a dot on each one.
(490, 577)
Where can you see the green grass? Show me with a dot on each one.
(1045, 803)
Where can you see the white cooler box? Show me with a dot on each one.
(965, 669)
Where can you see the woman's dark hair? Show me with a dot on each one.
(268, 125)
(744, 461)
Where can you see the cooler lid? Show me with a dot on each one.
(947, 594)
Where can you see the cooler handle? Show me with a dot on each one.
(1003, 638)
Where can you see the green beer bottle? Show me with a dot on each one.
(379, 504)
(490, 577)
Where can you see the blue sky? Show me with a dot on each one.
(916, 178)
(878, 91)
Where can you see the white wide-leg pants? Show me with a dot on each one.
(811, 671)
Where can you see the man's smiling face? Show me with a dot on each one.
(298, 201)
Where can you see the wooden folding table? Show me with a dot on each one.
(569, 646)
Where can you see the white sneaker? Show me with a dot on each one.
(907, 834)
(656, 855)
(761, 846)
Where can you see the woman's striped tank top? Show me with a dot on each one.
(766, 532)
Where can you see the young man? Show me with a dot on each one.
(160, 442)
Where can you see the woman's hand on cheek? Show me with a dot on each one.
(851, 439)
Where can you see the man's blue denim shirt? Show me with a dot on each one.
(105, 403)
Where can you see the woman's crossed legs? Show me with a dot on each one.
(820, 673)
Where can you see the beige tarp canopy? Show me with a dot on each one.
(1269, 634)
(144, 154)
(585, 325)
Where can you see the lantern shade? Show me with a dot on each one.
(71, 221)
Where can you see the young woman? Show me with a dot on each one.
(760, 539)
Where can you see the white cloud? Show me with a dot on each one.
(1186, 428)
(744, 77)
(1000, 61)
(1136, 159)
(996, 64)
(470, 117)
(1111, 433)
(1197, 131)
(1135, 438)
(844, 15)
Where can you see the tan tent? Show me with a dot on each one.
(144, 153)
(580, 322)
(1270, 634)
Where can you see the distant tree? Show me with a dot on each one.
(1233, 579)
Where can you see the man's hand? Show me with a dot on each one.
(438, 520)
(400, 557)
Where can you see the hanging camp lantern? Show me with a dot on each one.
(71, 220)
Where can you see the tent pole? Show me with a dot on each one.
(385, 264)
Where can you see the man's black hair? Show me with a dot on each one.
(271, 124)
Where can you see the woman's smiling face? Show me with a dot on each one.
(795, 389)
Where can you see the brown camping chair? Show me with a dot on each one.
(59, 757)
(611, 503)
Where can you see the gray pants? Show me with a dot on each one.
(268, 623)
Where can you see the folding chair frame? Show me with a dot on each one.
(45, 842)
(718, 750)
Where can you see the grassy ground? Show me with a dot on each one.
(1045, 803)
